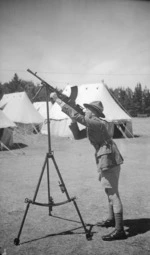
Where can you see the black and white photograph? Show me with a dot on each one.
(74, 127)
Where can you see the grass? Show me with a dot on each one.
(41, 234)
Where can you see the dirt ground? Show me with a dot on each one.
(45, 235)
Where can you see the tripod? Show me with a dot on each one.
(51, 204)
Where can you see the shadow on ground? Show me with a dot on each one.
(16, 146)
(68, 232)
(137, 226)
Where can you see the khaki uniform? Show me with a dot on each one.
(106, 152)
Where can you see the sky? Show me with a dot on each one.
(76, 41)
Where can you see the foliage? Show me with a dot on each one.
(18, 85)
(134, 102)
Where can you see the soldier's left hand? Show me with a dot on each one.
(53, 96)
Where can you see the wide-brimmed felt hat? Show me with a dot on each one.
(97, 106)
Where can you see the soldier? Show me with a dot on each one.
(108, 160)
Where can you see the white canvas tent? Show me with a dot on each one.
(18, 108)
(6, 131)
(119, 121)
(42, 108)
(5, 99)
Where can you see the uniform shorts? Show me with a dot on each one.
(110, 178)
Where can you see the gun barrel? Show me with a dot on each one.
(28, 70)
(43, 82)
(35, 74)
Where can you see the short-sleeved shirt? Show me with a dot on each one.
(106, 151)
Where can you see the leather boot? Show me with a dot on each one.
(115, 235)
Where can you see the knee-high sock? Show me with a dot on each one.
(110, 212)
(119, 221)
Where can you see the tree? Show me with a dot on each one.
(1, 91)
(29, 88)
(146, 100)
(15, 84)
(137, 101)
(5, 88)
(137, 98)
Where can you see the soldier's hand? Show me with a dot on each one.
(53, 96)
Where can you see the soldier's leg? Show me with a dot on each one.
(110, 180)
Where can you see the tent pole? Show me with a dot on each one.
(3, 145)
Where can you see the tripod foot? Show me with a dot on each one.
(16, 241)
(89, 236)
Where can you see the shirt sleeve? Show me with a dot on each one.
(93, 123)
(77, 133)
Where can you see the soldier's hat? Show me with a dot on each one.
(96, 106)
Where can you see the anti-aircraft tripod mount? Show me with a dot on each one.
(51, 204)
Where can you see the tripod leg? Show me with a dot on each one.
(40, 178)
(60, 177)
(48, 187)
(88, 234)
(17, 240)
